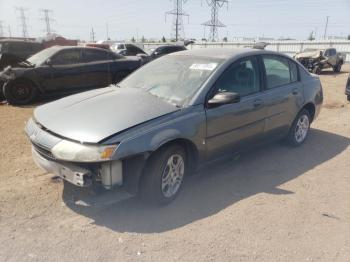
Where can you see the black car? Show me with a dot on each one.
(166, 49)
(129, 50)
(68, 68)
(13, 51)
(347, 89)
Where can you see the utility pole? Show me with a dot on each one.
(92, 35)
(177, 28)
(325, 29)
(9, 28)
(47, 19)
(23, 19)
(214, 23)
(1, 29)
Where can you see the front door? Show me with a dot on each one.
(232, 126)
(66, 71)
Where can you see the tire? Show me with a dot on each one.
(337, 68)
(159, 185)
(348, 97)
(317, 70)
(299, 129)
(119, 76)
(19, 92)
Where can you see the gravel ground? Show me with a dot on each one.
(273, 204)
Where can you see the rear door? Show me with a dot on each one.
(66, 71)
(97, 67)
(232, 126)
(283, 93)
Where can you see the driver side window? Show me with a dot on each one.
(242, 77)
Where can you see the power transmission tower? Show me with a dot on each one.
(1, 29)
(325, 28)
(177, 28)
(92, 35)
(23, 19)
(214, 22)
(46, 17)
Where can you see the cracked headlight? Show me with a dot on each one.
(70, 151)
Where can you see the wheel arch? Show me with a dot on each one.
(311, 108)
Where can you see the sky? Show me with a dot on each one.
(132, 18)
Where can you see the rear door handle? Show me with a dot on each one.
(258, 103)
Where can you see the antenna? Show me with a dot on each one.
(214, 22)
(46, 17)
(23, 19)
(177, 28)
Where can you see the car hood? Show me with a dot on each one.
(95, 115)
(312, 54)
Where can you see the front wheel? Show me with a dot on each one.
(317, 70)
(299, 129)
(164, 175)
(19, 92)
(348, 97)
(119, 76)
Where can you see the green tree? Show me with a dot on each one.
(163, 39)
(348, 37)
(224, 39)
(143, 39)
(133, 39)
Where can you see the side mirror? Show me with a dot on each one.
(224, 98)
(48, 62)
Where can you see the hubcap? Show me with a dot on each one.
(172, 176)
(302, 128)
(21, 91)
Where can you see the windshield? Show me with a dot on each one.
(173, 78)
(42, 56)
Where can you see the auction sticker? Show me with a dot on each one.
(209, 67)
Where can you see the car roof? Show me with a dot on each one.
(9, 40)
(223, 52)
(57, 47)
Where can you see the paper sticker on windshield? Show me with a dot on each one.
(209, 67)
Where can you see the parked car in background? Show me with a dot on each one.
(69, 69)
(173, 116)
(103, 46)
(14, 51)
(347, 89)
(315, 60)
(128, 49)
(165, 49)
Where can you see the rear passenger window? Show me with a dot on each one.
(95, 55)
(279, 71)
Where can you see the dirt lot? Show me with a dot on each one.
(274, 204)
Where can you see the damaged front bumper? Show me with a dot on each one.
(108, 173)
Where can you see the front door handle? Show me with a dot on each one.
(295, 91)
(258, 103)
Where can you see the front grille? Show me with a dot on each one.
(44, 152)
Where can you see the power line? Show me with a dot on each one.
(177, 28)
(46, 17)
(23, 19)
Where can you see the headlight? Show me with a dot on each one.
(70, 151)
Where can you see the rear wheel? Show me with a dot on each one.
(164, 175)
(337, 68)
(19, 92)
(348, 97)
(299, 129)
